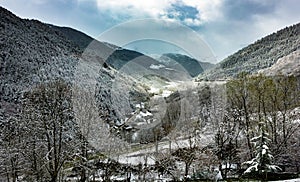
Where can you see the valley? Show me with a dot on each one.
(73, 108)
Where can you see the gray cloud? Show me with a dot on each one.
(245, 10)
(245, 21)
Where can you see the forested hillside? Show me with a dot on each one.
(259, 55)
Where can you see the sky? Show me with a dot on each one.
(225, 26)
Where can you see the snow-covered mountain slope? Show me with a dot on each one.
(120, 58)
(31, 52)
(259, 55)
(287, 65)
(184, 62)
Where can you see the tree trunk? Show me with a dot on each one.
(53, 178)
(82, 176)
(7, 174)
(186, 171)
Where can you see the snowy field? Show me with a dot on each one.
(145, 154)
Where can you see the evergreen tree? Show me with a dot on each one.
(262, 163)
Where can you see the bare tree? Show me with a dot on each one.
(50, 119)
(12, 163)
(87, 117)
(239, 98)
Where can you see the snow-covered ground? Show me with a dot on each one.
(145, 154)
(290, 180)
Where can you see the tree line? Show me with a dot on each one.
(254, 121)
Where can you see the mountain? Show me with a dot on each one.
(117, 57)
(121, 57)
(287, 65)
(179, 61)
(260, 55)
(79, 38)
(30, 51)
(34, 53)
(184, 59)
(206, 65)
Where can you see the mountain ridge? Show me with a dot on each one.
(261, 54)
(120, 56)
(34, 53)
(79, 38)
(27, 47)
(181, 62)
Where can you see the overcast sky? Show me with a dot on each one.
(225, 25)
